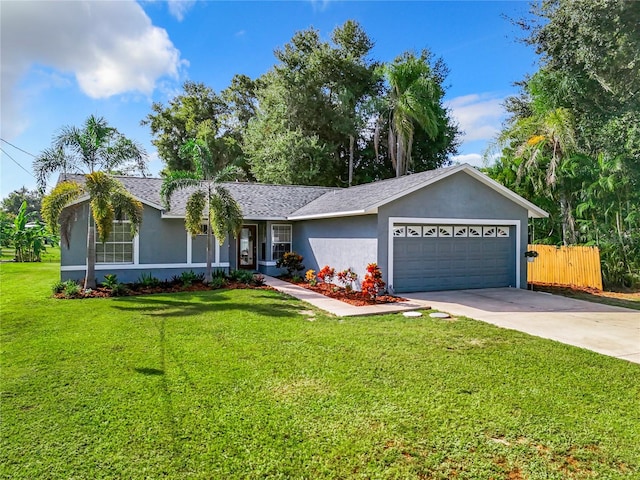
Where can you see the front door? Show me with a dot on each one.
(247, 242)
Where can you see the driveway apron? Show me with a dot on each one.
(605, 329)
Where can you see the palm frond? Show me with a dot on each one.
(225, 213)
(51, 160)
(101, 187)
(196, 205)
(174, 181)
(229, 173)
(55, 203)
(125, 205)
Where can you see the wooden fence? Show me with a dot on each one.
(567, 266)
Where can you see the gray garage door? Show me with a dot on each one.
(453, 257)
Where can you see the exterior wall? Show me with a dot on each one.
(346, 242)
(458, 196)
(163, 249)
(162, 240)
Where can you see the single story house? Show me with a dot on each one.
(444, 229)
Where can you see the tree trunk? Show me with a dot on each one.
(208, 277)
(392, 148)
(400, 155)
(351, 145)
(90, 276)
(568, 223)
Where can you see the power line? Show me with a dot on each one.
(14, 161)
(17, 148)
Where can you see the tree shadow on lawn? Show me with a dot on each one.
(205, 302)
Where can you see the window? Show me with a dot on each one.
(280, 241)
(119, 245)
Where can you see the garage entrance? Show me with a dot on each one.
(453, 257)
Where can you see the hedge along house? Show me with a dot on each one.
(444, 229)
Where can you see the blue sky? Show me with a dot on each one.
(63, 61)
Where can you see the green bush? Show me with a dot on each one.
(119, 289)
(71, 289)
(148, 280)
(57, 287)
(110, 280)
(292, 262)
(242, 276)
(218, 282)
(188, 278)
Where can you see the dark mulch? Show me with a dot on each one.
(132, 290)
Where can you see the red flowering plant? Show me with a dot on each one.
(347, 277)
(327, 273)
(372, 284)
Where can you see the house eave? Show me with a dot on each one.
(351, 213)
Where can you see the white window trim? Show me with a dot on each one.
(141, 266)
(135, 246)
(216, 250)
(290, 225)
(448, 221)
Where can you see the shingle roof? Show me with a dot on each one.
(261, 201)
(256, 200)
(367, 196)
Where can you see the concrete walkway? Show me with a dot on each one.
(336, 307)
(605, 329)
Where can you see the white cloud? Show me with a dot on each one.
(110, 47)
(178, 8)
(479, 115)
(320, 5)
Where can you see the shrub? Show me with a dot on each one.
(148, 280)
(296, 278)
(347, 277)
(242, 276)
(327, 273)
(292, 262)
(310, 276)
(110, 280)
(119, 289)
(372, 284)
(218, 273)
(218, 282)
(188, 278)
(258, 280)
(57, 287)
(71, 289)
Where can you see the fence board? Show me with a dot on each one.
(567, 266)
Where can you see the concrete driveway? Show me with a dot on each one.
(612, 331)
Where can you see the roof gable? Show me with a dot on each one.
(367, 198)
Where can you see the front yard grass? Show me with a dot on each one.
(250, 384)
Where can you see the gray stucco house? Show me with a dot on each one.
(444, 229)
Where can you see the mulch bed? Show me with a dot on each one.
(351, 297)
(133, 290)
(627, 294)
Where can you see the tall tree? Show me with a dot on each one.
(93, 149)
(590, 52)
(13, 202)
(198, 112)
(208, 198)
(415, 99)
(312, 103)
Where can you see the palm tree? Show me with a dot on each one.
(414, 99)
(93, 150)
(209, 200)
(546, 143)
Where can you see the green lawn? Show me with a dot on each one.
(245, 384)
